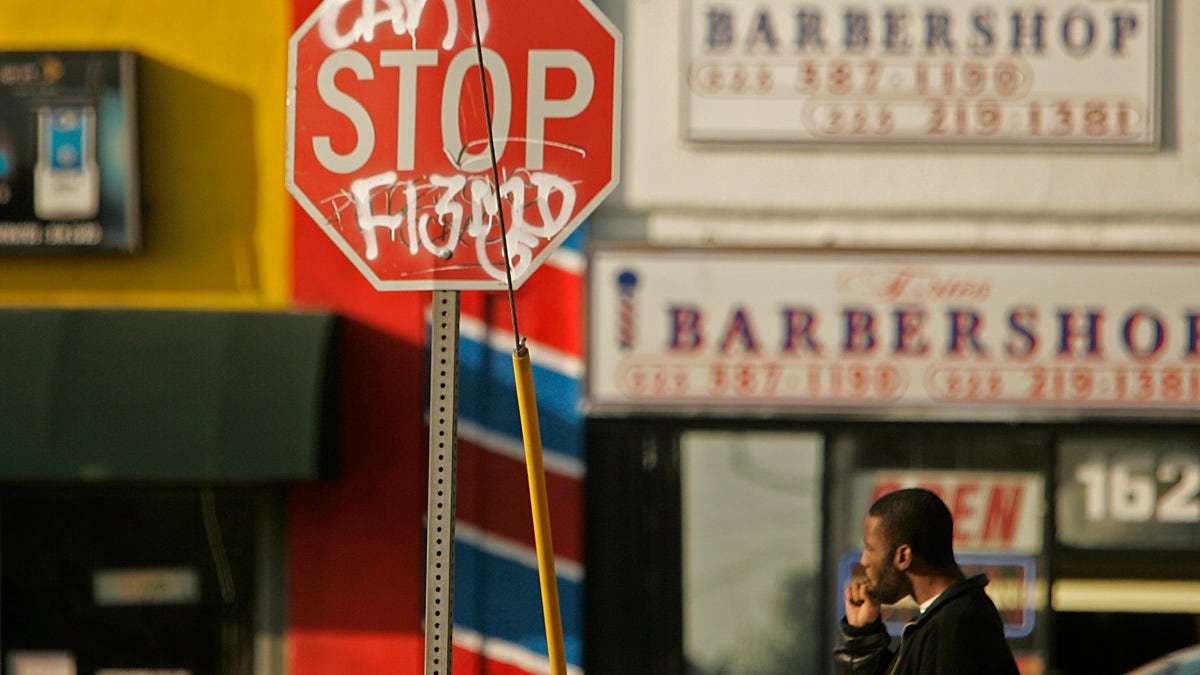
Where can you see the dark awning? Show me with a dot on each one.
(166, 395)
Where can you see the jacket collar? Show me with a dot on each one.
(961, 587)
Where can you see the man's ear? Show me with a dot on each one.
(903, 557)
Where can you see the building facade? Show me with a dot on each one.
(867, 245)
(855, 246)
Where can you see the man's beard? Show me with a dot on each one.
(890, 587)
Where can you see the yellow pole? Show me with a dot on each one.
(527, 403)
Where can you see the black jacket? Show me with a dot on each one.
(960, 634)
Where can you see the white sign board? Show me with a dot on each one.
(1076, 72)
(949, 336)
(145, 586)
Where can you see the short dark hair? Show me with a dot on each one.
(919, 518)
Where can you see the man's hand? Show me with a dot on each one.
(862, 608)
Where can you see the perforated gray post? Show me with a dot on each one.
(443, 459)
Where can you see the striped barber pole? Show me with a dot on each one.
(498, 621)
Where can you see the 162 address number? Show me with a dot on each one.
(1129, 490)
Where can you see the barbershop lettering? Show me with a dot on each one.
(1065, 333)
(1080, 31)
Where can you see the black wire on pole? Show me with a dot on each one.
(487, 111)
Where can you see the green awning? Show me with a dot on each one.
(166, 395)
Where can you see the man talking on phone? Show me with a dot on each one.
(908, 550)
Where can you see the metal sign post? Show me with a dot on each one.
(443, 460)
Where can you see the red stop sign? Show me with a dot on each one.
(388, 137)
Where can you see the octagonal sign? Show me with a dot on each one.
(388, 133)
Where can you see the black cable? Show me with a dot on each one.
(487, 111)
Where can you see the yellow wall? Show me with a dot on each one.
(216, 216)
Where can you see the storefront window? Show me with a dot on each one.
(751, 516)
(130, 580)
(1127, 516)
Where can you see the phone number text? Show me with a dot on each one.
(763, 380)
(883, 383)
(786, 78)
(1074, 385)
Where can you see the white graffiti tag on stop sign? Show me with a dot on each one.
(404, 17)
(388, 141)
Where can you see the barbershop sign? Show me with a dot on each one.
(1071, 72)
(948, 336)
